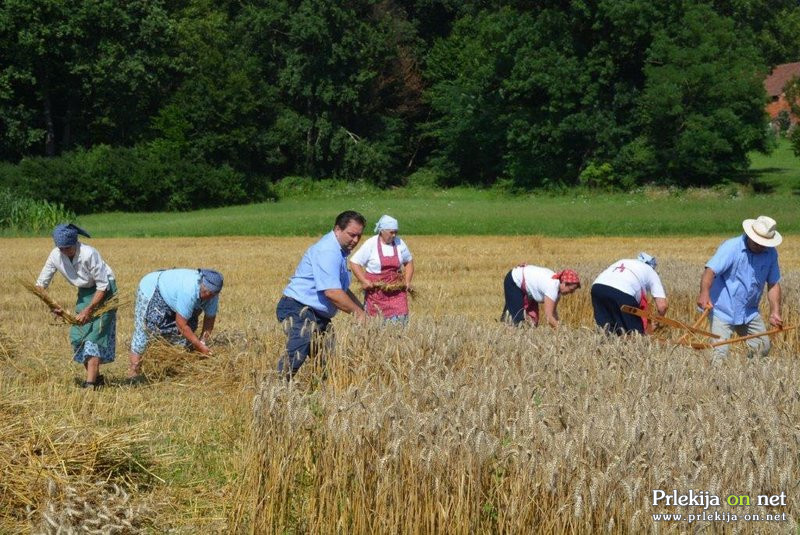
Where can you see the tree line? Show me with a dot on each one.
(155, 104)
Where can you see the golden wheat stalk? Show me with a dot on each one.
(112, 303)
(49, 301)
(8, 347)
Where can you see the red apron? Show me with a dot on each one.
(531, 307)
(643, 305)
(391, 303)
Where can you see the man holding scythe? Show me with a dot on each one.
(734, 280)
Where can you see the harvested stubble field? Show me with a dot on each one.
(456, 424)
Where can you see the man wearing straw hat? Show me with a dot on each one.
(93, 339)
(734, 280)
(318, 289)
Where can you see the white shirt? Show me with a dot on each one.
(86, 269)
(631, 277)
(367, 256)
(539, 282)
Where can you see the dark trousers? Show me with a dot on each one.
(304, 328)
(606, 302)
(514, 308)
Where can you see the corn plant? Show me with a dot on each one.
(26, 214)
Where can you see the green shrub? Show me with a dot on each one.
(599, 176)
(424, 178)
(297, 186)
(150, 177)
(636, 163)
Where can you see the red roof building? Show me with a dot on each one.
(774, 84)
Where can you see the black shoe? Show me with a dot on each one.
(87, 384)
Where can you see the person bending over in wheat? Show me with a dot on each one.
(526, 286)
(168, 306)
(384, 267)
(627, 282)
(93, 337)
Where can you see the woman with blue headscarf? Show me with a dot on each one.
(168, 305)
(93, 339)
(384, 267)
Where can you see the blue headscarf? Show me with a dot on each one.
(211, 279)
(67, 235)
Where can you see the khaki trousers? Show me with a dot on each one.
(757, 347)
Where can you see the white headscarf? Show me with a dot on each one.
(386, 222)
(647, 259)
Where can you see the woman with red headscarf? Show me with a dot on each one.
(526, 286)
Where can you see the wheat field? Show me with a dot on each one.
(456, 424)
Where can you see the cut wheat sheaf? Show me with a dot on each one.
(112, 303)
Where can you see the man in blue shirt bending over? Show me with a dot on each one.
(733, 282)
(319, 288)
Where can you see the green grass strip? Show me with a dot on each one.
(465, 212)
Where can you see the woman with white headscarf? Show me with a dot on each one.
(384, 267)
(627, 282)
(93, 339)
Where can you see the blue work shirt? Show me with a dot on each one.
(180, 289)
(740, 277)
(323, 267)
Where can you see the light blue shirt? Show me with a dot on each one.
(323, 267)
(180, 289)
(740, 277)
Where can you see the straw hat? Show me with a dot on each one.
(762, 231)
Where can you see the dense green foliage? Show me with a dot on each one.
(102, 178)
(26, 214)
(151, 105)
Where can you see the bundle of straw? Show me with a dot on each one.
(112, 303)
(394, 286)
(49, 301)
(67, 455)
(164, 359)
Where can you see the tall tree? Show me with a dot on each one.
(338, 68)
(702, 110)
(221, 109)
(80, 72)
(772, 25)
(515, 96)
